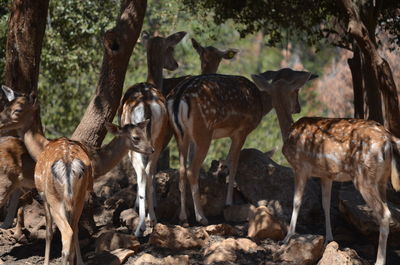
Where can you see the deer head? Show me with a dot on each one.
(211, 57)
(19, 111)
(136, 134)
(157, 46)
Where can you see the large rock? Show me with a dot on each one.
(302, 250)
(147, 259)
(177, 237)
(357, 212)
(226, 251)
(262, 225)
(333, 255)
(262, 181)
(115, 257)
(109, 241)
(129, 218)
(222, 230)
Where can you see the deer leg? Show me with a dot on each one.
(183, 145)
(11, 209)
(49, 232)
(372, 197)
(326, 188)
(138, 165)
(199, 154)
(77, 247)
(67, 235)
(232, 160)
(299, 184)
(151, 169)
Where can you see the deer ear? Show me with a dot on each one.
(10, 94)
(175, 38)
(229, 54)
(301, 79)
(142, 125)
(144, 39)
(112, 128)
(262, 83)
(197, 46)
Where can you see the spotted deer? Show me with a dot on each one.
(210, 58)
(334, 149)
(208, 107)
(65, 168)
(16, 166)
(145, 101)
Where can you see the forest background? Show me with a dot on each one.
(72, 54)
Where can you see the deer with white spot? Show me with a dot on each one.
(334, 149)
(208, 107)
(65, 168)
(144, 101)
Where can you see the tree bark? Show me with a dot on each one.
(118, 45)
(380, 68)
(358, 85)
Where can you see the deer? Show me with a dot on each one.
(207, 107)
(65, 169)
(210, 58)
(145, 101)
(334, 149)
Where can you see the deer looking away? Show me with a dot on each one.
(334, 149)
(208, 107)
(144, 101)
(64, 169)
(210, 58)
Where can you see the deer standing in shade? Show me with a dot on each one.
(334, 149)
(64, 169)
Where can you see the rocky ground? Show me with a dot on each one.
(250, 232)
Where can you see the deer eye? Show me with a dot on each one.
(136, 138)
(16, 111)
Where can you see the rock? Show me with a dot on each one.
(302, 250)
(261, 179)
(115, 257)
(226, 251)
(237, 213)
(262, 225)
(129, 218)
(109, 241)
(177, 237)
(333, 255)
(222, 230)
(147, 259)
(34, 217)
(357, 213)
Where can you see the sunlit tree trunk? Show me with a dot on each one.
(118, 46)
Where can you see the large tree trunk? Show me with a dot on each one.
(26, 27)
(118, 46)
(380, 68)
(358, 84)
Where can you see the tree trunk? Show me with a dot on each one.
(118, 46)
(380, 68)
(373, 95)
(358, 85)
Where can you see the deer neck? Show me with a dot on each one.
(108, 156)
(155, 71)
(285, 121)
(266, 102)
(33, 136)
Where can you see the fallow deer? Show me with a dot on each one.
(334, 149)
(64, 171)
(145, 101)
(208, 107)
(210, 58)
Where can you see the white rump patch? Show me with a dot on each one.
(137, 114)
(77, 167)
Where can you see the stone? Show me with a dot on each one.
(237, 213)
(260, 179)
(115, 257)
(147, 259)
(302, 250)
(333, 255)
(129, 218)
(226, 251)
(222, 230)
(358, 213)
(178, 237)
(109, 241)
(262, 225)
